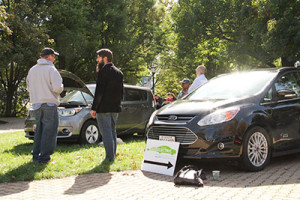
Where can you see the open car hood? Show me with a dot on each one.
(73, 82)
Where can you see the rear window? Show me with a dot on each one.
(135, 95)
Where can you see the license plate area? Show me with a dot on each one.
(167, 138)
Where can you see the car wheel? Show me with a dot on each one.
(90, 133)
(256, 149)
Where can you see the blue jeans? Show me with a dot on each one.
(107, 126)
(46, 131)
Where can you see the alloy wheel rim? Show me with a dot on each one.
(257, 149)
(91, 134)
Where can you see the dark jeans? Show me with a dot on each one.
(107, 126)
(46, 132)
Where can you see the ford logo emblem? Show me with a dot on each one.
(172, 117)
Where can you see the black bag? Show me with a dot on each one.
(190, 175)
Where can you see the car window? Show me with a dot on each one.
(269, 96)
(135, 95)
(92, 88)
(287, 86)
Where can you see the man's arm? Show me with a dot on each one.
(98, 91)
(56, 82)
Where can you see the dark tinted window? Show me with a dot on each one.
(135, 95)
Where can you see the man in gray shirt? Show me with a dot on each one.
(44, 85)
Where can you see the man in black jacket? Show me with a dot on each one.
(107, 101)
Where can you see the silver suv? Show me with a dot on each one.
(75, 121)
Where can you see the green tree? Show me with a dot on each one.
(283, 25)
(67, 26)
(131, 30)
(252, 33)
(19, 48)
(3, 17)
(76, 29)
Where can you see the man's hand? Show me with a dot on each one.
(93, 114)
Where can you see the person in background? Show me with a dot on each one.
(200, 79)
(185, 84)
(171, 98)
(44, 84)
(158, 101)
(107, 102)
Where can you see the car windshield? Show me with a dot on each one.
(92, 88)
(234, 85)
(74, 96)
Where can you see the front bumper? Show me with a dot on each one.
(217, 141)
(66, 128)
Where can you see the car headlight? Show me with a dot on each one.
(69, 112)
(219, 116)
(151, 119)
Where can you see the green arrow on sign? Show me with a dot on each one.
(163, 149)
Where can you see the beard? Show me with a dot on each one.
(99, 66)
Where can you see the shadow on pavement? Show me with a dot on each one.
(280, 171)
(3, 122)
(24, 172)
(91, 181)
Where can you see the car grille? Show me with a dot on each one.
(182, 135)
(174, 118)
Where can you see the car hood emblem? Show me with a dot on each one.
(172, 117)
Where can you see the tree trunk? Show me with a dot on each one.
(10, 90)
(9, 101)
(62, 63)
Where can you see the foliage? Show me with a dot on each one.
(67, 27)
(19, 48)
(76, 29)
(173, 37)
(3, 17)
(69, 159)
(254, 33)
(283, 36)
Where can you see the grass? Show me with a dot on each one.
(70, 159)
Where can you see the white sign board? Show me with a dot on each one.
(146, 81)
(160, 156)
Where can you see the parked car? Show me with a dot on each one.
(249, 116)
(75, 121)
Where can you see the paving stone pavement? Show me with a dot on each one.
(279, 181)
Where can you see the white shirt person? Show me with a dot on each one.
(200, 80)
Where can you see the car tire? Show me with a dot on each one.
(256, 150)
(90, 133)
